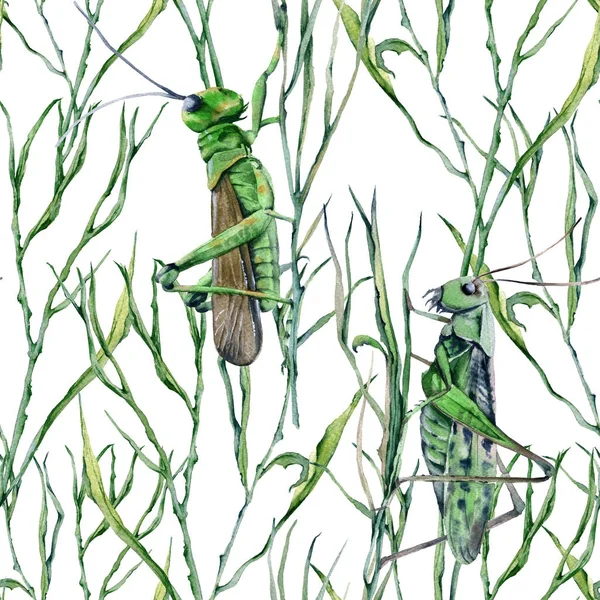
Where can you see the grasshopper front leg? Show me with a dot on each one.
(243, 232)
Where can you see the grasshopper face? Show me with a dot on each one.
(210, 107)
(459, 295)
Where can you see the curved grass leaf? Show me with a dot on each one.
(320, 323)
(573, 292)
(307, 566)
(326, 583)
(322, 456)
(584, 582)
(593, 204)
(576, 566)
(53, 209)
(522, 556)
(118, 332)
(306, 484)
(352, 24)
(284, 555)
(98, 495)
(395, 410)
(367, 340)
(393, 45)
(443, 31)
(590, 69)
(24, 154)
(161, 591)
(13, 584)
(289, 459)
(242, 453)
(2, 16)
(528, 299)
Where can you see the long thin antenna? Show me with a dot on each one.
(171, 93)
(524, 262)
(100, 106)
(548, 283)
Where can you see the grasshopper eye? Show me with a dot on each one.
(192, 103)
(468, 288)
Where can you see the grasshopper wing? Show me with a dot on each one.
(237, 329)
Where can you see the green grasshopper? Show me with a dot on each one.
(244, 249)
(462, 461)
(463, 357)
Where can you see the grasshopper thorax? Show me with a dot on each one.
(211, 107)
(458, 295)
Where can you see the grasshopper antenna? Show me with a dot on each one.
(170, 93)
(166, 92)
(524, 262)
(549, 283)
(103, 105)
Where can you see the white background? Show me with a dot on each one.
(168, 205)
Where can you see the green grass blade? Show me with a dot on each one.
(136, 448)
(591, 211)
(584, 582)
(588, 77)
(25, 150)
(398, 47)
(97, 493)
(522, 556)
(27, 46)
(528, 299)
(42, 531)
(326, 584)
(395, 404)
(124, 579)
(284, 556)
(454, 581)
(327, 580)
(60, 517)
(2, 16)
(307, 565)
(320, 323)
(322, 456)
(118, 332)
(272, 584)
(570, 220)
(439, 565)
(537, 47)
(289, 459)
(590, 512)
(161, 590)
(162, 370)
(242, 453)
(443, 31)
(329, 85)
(13, 584)
(53, 209)
(406, 311)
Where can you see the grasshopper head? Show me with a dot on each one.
(214, 105)
(459, 295)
